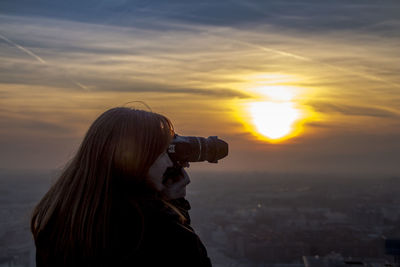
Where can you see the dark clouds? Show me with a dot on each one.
(220, 93)
(138, 87)
(58, 79)
(310, 15)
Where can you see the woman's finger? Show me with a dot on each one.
(181, 181)
(186, 178)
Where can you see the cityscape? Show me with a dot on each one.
(250, 219)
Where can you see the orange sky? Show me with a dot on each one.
(58, 75)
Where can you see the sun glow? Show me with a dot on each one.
(277, 113)
(276, 93)
(274, 120)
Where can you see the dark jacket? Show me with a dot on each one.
(161, 240)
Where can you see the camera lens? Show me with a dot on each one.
(195, 149)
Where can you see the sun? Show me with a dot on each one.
(274, 120)
(276, 114)
(277, 109)
(275, 117)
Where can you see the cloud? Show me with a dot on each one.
(320, 125)
(3, 95)
(220, 93)
(173, 55)
(59, 81)
(88, 60)
(198, 60)
(305, 16)
(32, 126)
(352, 110)
(208, 53)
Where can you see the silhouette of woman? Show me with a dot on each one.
(111, 205)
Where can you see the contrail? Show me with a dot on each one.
(331, 66)
(41, 60)
(82, 86)
(273, 50)
(282, 53)
(23, 49)
(269, 49)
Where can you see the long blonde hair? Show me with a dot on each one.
(119, 146)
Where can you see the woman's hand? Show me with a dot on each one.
(176, 188)
(173, 187)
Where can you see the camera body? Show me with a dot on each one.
(194, 149)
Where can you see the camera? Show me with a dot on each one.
(194, 149)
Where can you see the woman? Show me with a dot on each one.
(112, 206)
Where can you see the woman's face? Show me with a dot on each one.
(157, 170)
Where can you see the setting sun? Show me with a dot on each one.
(274, 120)
(276, 112)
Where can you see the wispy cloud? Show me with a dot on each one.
(199, 60)
(353, 110)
